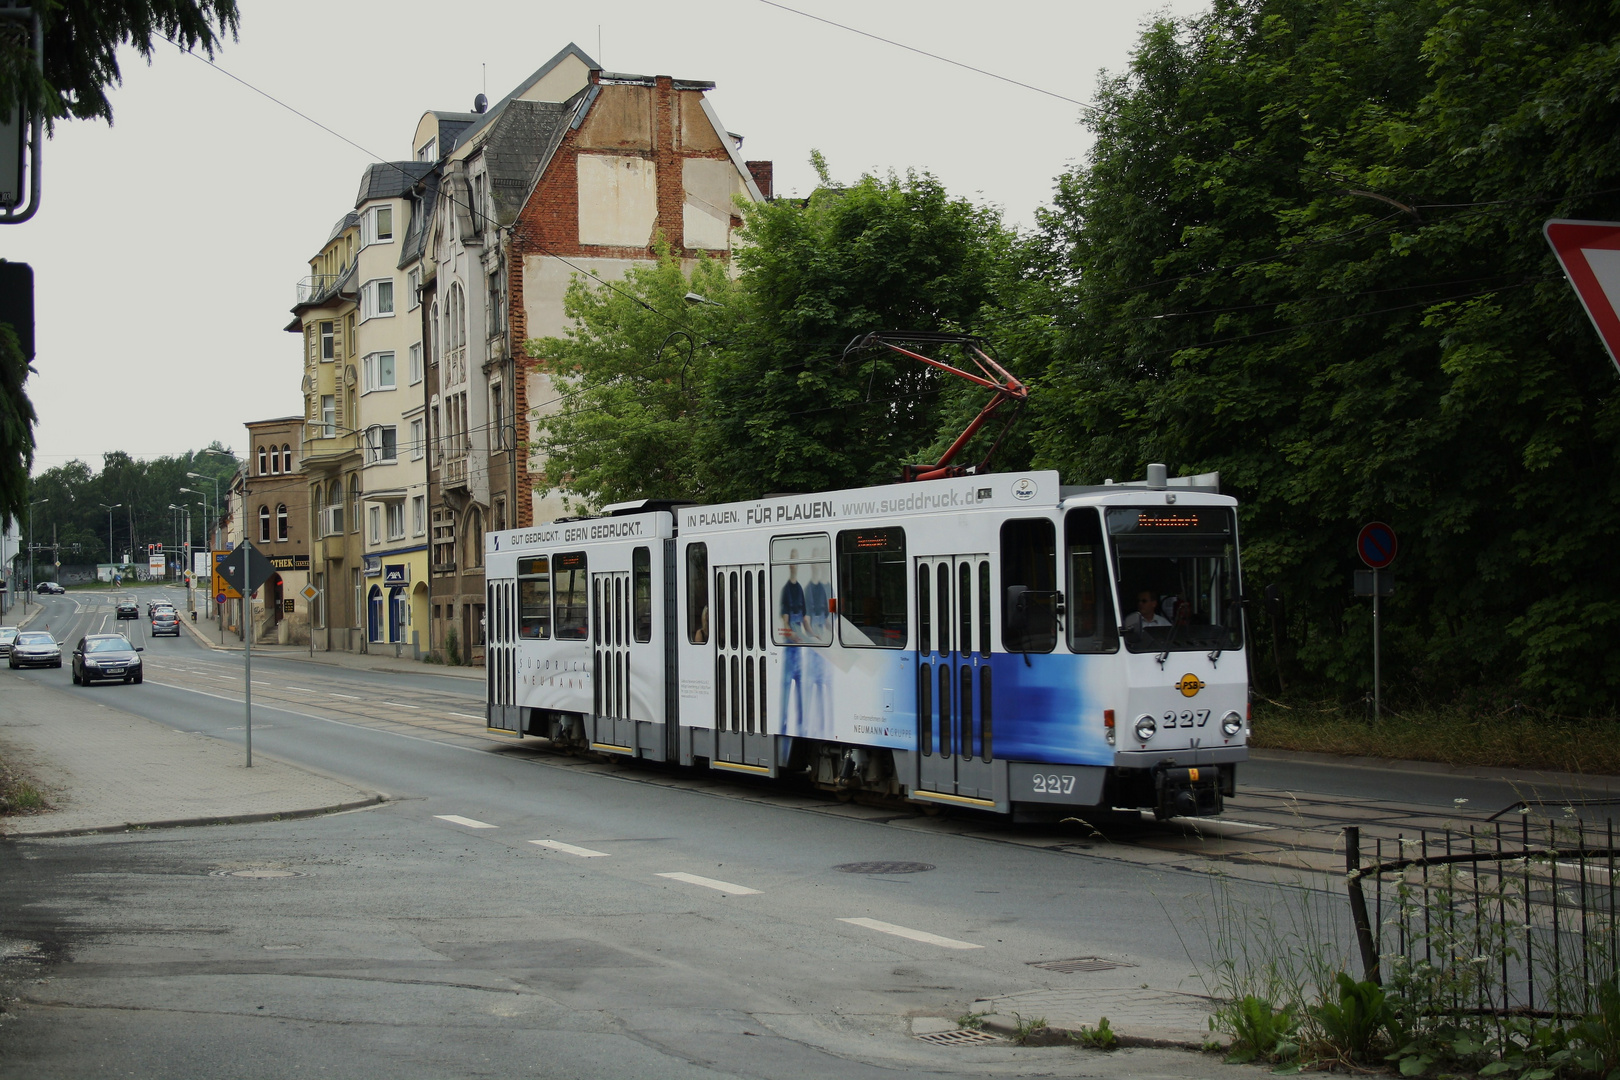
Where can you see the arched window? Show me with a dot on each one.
(354, 502)
(261, 461)
(286, 457)
(433, 334)
(264, 524)
(334, 503)
(281, 521)
(472, 539)
(275, 462)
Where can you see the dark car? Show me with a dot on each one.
(128, 609)
(50, 587)
(105, 657)
(35, 648)
(165, 621)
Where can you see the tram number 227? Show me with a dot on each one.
(1185, 718)
(1053, 783)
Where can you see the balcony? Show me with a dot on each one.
(318, 287)
(454, 468)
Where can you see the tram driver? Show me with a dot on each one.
(1146, 613)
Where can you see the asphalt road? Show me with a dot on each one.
(513, 913)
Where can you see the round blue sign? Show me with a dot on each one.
(1376, 545)
(219, 598)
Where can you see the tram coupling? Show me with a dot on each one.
(1188, 791)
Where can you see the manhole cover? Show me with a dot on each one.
(884, 867)
(1080, 963)
(256, 873)
(957, 1038)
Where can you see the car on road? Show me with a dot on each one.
(165, 621)
(153, 606)
(8, 634)
(100, 657)
(35, 648)
(128, 609)
(46, 587)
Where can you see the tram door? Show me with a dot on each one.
(610, 649)
(741, 629)
(954, 717)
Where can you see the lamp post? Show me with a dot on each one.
(111, 557)
(215, 479)
(31, 582)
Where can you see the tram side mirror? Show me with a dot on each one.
(1274, 601)
(1017, 611)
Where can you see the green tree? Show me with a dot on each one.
(82, 38)
(1306, 252)
(16, 428)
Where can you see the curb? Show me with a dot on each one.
(1061, 1036)
(377, 799)
(430, 669)
(1433, 768)
(197, 634)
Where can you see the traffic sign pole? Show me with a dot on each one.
(1378, 667)
(1376, 544)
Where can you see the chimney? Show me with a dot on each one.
(762, 172)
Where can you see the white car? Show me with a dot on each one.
(35, 648)
(8, 635)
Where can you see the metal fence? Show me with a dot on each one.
(1506, 919)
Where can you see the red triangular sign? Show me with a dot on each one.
(1589, 252)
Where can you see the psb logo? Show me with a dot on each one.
(1189, 685)
(1024, 489)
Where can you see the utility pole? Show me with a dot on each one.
(111, 558)
(31, 582)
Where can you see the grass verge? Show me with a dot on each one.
(1453, 736)
(18, 794)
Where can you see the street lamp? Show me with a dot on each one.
(112, 558)
(31, 583)
(215, 479)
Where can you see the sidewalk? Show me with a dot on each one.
(106, 770)
(378, 661)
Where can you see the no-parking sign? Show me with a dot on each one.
(1376, 544)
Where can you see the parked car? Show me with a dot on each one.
(165, 621)
(128, 609)
(35, 648)
(105, 657)
(8, 634)
(50, 587)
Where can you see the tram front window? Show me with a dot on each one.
(1178, 577)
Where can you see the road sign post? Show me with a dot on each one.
(309, 593)
(1376, 544)
(245, 569)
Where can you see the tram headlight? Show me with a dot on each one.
(1145, 727)
(1231, 724)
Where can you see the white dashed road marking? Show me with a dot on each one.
(711, 883)
(347, 697)
(582, 852)
(471, 823)
(912, 935)
(468, 716)
(401, 705)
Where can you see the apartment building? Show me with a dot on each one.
(271, 484)
(576, 171)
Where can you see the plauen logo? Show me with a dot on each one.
(1024, 489)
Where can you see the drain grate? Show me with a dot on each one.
(957, 1038)
(1080, 963)
(883, 867)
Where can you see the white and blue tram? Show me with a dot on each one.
(995, 641)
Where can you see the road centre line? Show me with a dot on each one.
(471, 823)
(349, 697)
(582, 852)
(301, 689)
(468, 716)
(711, 883)
(400, 705)
(912, 935)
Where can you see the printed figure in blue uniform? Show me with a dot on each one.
(817, 723)
(791, 631)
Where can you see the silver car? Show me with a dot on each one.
(35, 648)
(8, 635)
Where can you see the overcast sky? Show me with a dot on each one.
(168, 245)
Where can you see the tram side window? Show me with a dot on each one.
(534, 599)
(697, 593)
(641, 593)
(1029, 586)
(570, 586)
(872, 589)
(1093, 625)
(801, 585)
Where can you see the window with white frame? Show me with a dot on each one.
(381, 443)
(328, 340)
(262, 469)
(281, 521)
(416, 363)
(286, 457)
(416, 440)
(377, 226)
(396, 521)
(328, 416)
(377, 299)
(374, 517)
(418, 514)
(413, 290)
(377, 371)
(264, 524)
(429, 151)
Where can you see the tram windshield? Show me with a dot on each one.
(1178, 577)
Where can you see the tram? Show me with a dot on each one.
(997, 642)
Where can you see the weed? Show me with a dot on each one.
(452, 647)
(1101, 1037)
(1025, 1030)
(1350, 1024)
(18, 795)
(972, 1020)
(1259, 1031)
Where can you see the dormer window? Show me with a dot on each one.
(429, 151)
